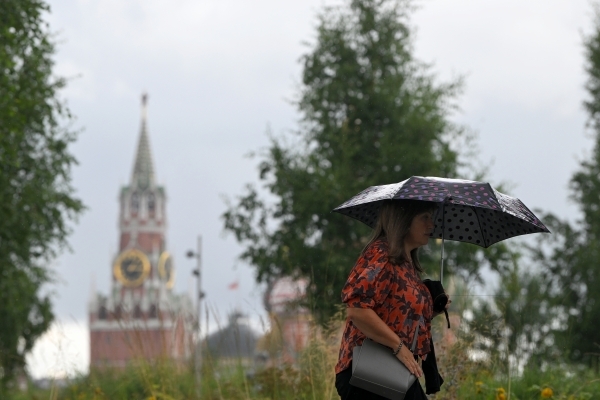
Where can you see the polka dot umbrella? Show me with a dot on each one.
(468, 211)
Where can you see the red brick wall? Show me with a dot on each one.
(146, 241)
(116, 348)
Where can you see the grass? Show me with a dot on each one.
(551, 384)
(312, 378)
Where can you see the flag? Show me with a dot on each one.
(233, 285)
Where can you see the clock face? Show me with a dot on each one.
(165, 269)
(132, 267)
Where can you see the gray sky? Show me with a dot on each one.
(218, 73)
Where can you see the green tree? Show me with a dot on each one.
(579, 277)
(572, 255)
(514, 327)
(36, 199)
(371, 114)
(557, 258)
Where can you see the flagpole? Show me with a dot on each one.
(199, 295)
(199, 316)
(237, 294)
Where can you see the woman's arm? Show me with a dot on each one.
(373, 327)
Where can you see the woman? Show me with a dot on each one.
(386, 299)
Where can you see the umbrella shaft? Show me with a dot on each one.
(443, 234)
(442, 261)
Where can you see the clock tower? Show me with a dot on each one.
(141, 317)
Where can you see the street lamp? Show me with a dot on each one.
(199, 296)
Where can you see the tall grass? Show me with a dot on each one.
(312, 377)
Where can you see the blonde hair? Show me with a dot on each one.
(393, 224)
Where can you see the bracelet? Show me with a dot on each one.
(398, 349)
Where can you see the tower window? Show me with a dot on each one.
(137, 312)
(153, 311)
(151, 203)
(135, 202)
(102, 312)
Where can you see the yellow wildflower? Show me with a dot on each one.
(547, 393)
(500, 394)
(478, 386)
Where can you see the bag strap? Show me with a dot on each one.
(414, 343)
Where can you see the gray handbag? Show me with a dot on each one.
(376, 369)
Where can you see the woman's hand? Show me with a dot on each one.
(408, 359)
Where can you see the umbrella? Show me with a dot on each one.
(469, 211)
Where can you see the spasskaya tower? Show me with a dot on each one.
(141, 317)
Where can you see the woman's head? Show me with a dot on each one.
(394, 223)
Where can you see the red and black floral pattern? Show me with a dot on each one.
(394, 292)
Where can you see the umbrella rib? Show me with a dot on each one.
(475, 209)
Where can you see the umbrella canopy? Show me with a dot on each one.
(468, 211)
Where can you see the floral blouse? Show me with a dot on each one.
(396, 294)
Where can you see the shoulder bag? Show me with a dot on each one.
(376, 369)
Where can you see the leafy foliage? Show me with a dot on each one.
(570, 256)
(581, 280)
(371, 114)
(36, 199)
(514, 328)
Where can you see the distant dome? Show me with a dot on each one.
(284, 291)
(235, 340)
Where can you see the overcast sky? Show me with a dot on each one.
(218, 73)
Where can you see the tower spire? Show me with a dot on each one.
(143, 170)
